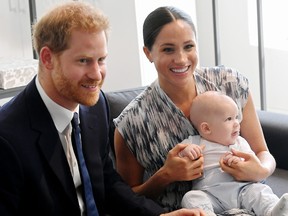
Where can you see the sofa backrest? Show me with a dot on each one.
(274, 125)
(275, 129)
(117, 101)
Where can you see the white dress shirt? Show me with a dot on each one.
(62, 119)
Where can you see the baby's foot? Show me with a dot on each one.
(281, 208)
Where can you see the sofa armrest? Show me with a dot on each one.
(275, 129)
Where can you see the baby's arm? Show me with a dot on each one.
(192, 151)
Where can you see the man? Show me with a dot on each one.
(41, 173)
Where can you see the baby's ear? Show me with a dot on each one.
(204, 128)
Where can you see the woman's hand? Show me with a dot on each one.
(186, 212)
(253, 168)
(174, 169)
(182, 168)
(249, 169)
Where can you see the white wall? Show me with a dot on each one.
(123, 55)
(15, 36)
(235, 48)
(239, 44)
(127, 64)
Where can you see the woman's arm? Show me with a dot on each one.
(254, 168)
(174, 169)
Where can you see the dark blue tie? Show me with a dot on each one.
(91, 208)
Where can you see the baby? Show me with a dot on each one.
(216, 117)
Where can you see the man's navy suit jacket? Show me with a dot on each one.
(35, 178)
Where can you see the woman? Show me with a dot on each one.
(149, 129)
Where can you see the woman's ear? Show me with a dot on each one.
(46, 57)
(147, 53)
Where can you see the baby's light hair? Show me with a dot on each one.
(207, 104)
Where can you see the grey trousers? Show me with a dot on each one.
(255, 197)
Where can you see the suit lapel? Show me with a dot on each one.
(88, 123)
(49, 142)
(90, 140)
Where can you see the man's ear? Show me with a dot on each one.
(147, 53)
(46, 57)
(204, 127)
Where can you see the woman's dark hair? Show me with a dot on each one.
(161, 16)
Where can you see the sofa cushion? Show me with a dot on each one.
(278, 181)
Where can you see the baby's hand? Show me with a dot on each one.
(229, 159)
(192, 151)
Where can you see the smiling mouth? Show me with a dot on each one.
(180, 70)
(89, 86)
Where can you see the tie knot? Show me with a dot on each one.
(75, 120)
